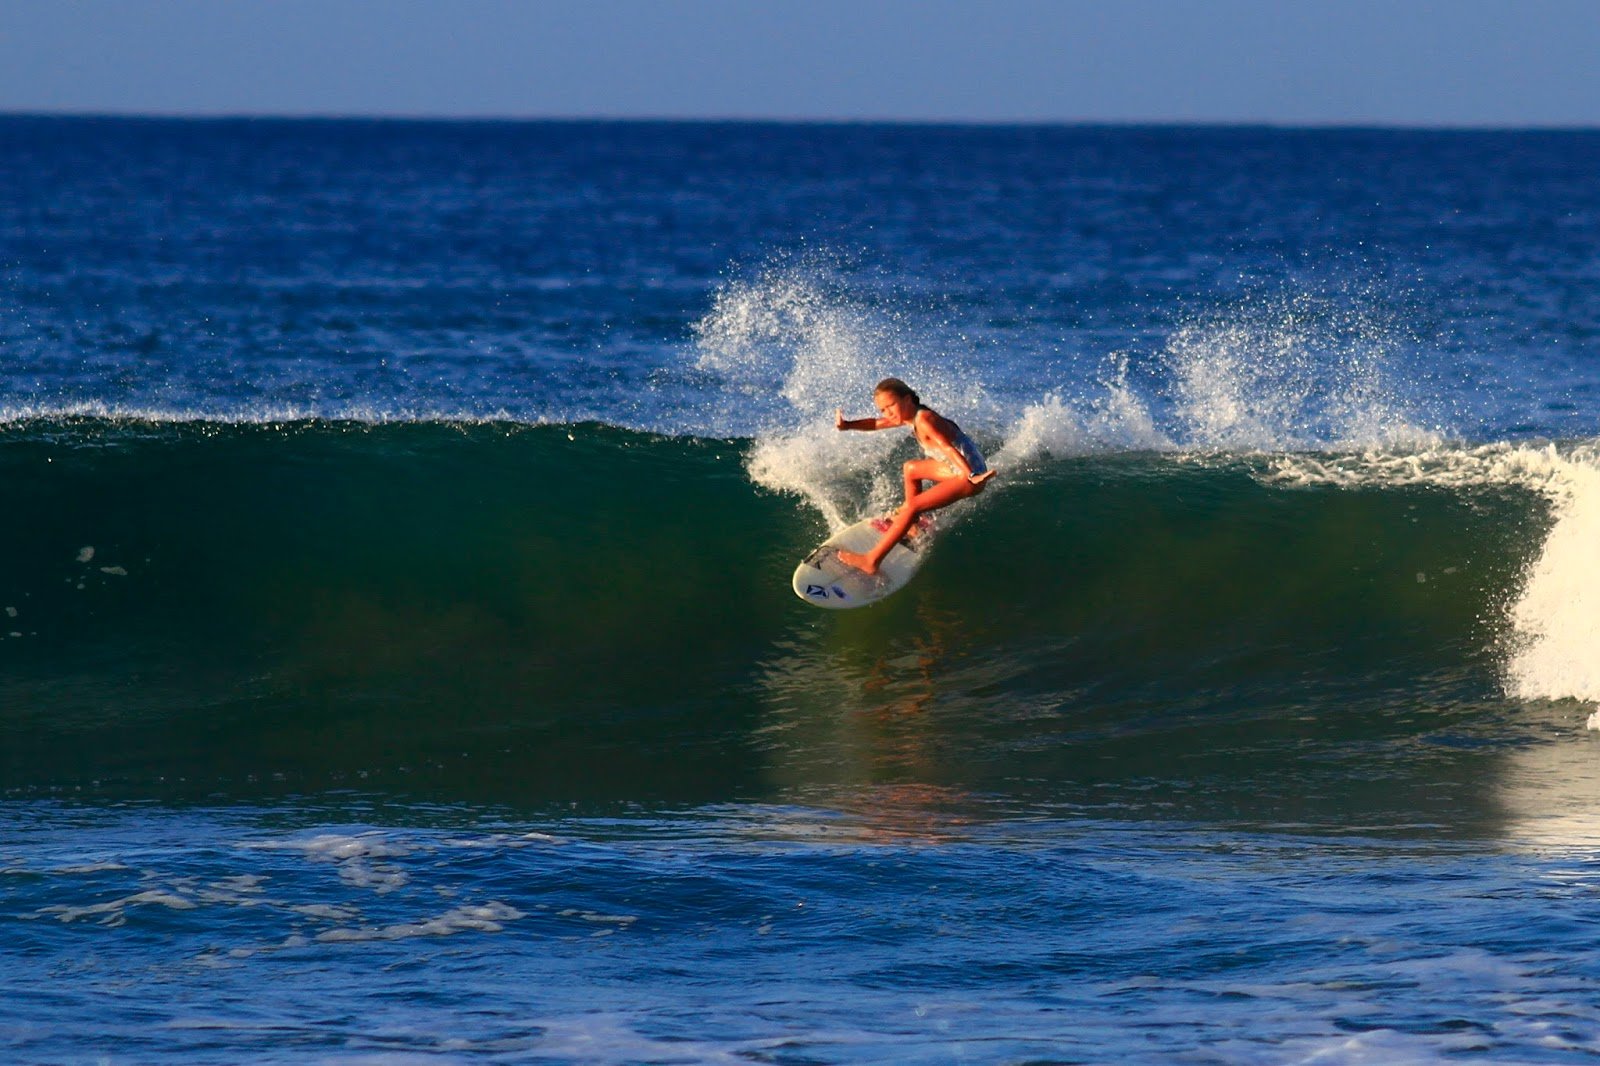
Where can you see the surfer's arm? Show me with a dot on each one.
(841, 422)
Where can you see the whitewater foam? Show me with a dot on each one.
(490, 917)
(1558, 615)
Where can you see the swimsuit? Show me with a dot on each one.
(963, 444)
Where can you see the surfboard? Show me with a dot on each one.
(823, 581)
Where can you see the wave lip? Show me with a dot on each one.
(95, 414)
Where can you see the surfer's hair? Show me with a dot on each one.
(898, 388)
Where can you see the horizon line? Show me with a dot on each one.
(487, 118)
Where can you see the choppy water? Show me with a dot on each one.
(398, 662)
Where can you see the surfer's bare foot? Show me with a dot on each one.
(860, 562)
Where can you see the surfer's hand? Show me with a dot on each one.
(979, 479)
(838, 418)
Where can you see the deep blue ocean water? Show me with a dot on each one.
(398, 663)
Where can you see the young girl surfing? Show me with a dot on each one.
(953, 464)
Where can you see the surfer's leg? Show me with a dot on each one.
(940, 494)
(916, 471)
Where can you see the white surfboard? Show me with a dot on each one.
(821, 579)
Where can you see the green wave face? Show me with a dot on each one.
(514, 611)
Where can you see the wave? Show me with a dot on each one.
(573, 541)
(515, 611)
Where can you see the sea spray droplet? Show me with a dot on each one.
(85, 553)
(1290, 371)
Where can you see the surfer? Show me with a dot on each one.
(954, 464)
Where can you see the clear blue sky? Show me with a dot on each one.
(1412, 62)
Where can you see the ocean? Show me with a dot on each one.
(398, 662)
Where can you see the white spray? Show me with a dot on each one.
(1289, 372)
(794, 346)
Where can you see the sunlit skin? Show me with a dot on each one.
(952, 479)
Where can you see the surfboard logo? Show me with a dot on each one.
(816, 590)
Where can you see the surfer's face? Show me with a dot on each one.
(892, 406)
